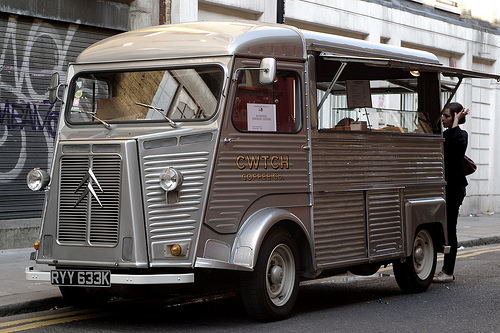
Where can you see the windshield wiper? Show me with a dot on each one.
(108, 126)
(157, 109)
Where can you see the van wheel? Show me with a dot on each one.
(415, 275)
(270, 291)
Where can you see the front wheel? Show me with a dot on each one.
(415, 275)
(270, 291)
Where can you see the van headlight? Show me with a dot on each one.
(37, 179)
(170, 179)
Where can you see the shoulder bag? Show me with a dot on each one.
(469, 165)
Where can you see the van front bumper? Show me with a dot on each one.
(33, 274)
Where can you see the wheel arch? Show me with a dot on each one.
(251, 235)
(429, 214)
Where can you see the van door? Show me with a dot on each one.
(263, 149)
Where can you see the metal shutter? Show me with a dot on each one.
(31, 50)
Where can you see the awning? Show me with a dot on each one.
(412, 66)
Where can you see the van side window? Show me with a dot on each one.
(270, 108)
(374, 98)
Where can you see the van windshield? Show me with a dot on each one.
(169, 95)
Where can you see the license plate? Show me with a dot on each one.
(80, 278)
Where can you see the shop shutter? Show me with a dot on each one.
(31, 50)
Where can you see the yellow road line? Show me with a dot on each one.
(60, 318)
(478, 251)
(57, 315)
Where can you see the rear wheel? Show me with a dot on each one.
(415, 275)
(270, 291)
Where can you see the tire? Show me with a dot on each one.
(270, 291)
(415, 275)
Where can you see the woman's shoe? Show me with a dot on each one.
(442, 277)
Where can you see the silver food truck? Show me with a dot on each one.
(267, 153)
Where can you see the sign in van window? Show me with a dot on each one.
(267, 108)
(261, 117)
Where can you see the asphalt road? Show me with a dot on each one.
(374, 304)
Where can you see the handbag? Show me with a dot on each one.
(469, 165)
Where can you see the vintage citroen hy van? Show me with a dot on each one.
(272, 154)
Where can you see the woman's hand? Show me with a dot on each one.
(459, 116)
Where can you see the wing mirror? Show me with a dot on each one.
(267, 71)
(54, 88)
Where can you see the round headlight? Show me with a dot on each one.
(37, 179)
(170, 179)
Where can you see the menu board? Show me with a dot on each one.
(358, 94)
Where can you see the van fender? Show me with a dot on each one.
(430, 212)
(249, 238)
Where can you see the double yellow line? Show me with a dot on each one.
(475, 252)
(58, 318)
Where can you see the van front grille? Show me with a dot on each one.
(89, 200)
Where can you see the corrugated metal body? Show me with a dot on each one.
(253, 166)
(339, 227)
(175, 221)
(31, 50)
(385, 223)
(352, 159)
(360, 183)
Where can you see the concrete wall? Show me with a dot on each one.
(144, 13)
(19, 233)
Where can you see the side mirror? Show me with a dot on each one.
(54, 88)
(267, 71)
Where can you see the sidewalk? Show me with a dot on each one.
(18, 295)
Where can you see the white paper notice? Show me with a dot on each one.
(261, 117)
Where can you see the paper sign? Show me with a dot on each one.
(261, 117)
(358, 94)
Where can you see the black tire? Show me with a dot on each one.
(415, 275)
(270, 291)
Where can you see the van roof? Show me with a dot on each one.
(220, 38)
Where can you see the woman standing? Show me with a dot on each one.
(455, 144)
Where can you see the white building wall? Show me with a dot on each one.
(455, 44)
(143, 13)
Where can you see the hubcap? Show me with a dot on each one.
(419, 254)
(423, 254)
(276, 274)
(280, 275)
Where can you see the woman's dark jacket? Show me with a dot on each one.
(455, 144)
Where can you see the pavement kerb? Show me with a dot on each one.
(480, 241)
(29, 306)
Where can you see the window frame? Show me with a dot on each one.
(89, 72)
(298, 102)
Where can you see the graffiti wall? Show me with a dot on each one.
(30, 51)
